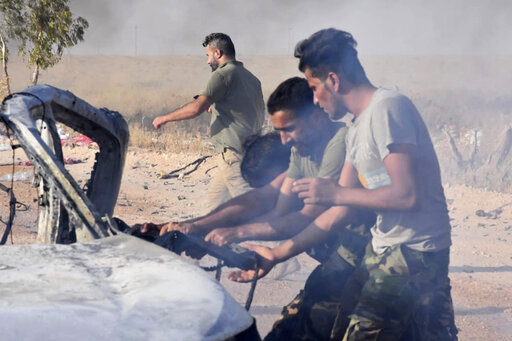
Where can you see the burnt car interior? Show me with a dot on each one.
(68, 214)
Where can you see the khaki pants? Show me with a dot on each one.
(227, 181)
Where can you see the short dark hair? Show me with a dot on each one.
(222, 42)
(331, 50)
(293, 94)
(264, 159)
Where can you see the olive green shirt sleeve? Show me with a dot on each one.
(294, 169)
(329, 164)
(238, 109)
(216, 87)
(334, 156)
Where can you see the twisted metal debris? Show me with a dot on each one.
(66, 213)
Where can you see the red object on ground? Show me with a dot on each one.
(70, 160)
(67, 160)
(81, 140)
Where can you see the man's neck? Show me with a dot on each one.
(224, 60)
(358, 98)
(326, 130)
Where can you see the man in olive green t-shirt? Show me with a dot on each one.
(233, 96)
(273, 212)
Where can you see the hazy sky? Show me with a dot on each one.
(410, 27)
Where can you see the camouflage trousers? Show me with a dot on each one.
(312, 313)
(401, 294)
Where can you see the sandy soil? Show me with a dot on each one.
(481, 256)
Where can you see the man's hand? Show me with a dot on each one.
(146, 227)
(184, 228)
(222, 236)
(159, 121)
(266, 262)
(319, 191)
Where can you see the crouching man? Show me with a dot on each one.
(391, 167)
(274, 212)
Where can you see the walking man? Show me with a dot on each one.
(233, 96)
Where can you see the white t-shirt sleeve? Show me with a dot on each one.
(393, 123)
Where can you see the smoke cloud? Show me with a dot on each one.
(272, 27)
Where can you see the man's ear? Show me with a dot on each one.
(334, 81)
(218, 53)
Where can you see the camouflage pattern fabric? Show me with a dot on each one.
(401, 294)
(312, 313)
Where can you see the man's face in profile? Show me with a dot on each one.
(325, 97)
(296, 132)
(213, 61)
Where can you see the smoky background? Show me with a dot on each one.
(452, 58)
(272, 27)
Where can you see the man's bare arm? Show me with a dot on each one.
(188, 111)
(235, 211)
(313, 234)
(286, 220)
(317, 231)
(400, 194)
(243, 208)
(277, 228)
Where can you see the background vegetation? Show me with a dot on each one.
(464, 100)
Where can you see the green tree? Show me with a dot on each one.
(5, 55)
(43, 29)
(50, 28)
(11, 27)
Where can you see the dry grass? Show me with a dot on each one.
(145, 85)
(169, 140)
(151, 85)
(450, 91)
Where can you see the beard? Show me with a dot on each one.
(338, 115)
(214, 64)
(339, 111)
(302, 149)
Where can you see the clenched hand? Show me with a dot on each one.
(222, 236)
(159, 121)
(318, 191)
(266, 262)
(183, 227)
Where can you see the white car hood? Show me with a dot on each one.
(117, 288)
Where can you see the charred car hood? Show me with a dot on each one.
(116, 288)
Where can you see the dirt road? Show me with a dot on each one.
(481, 255)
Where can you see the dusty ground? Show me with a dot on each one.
(481, 256)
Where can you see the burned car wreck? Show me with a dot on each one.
(88, 280)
